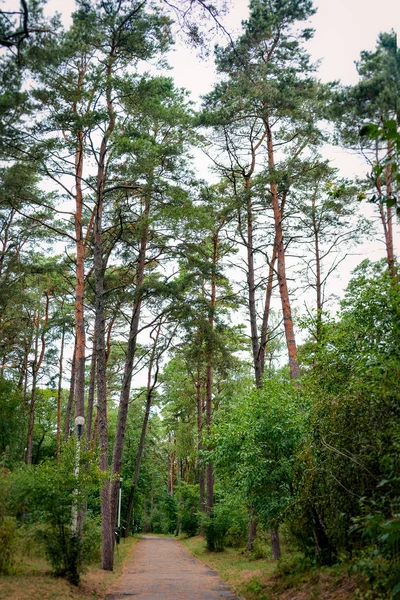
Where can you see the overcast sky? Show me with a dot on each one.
(342, 29)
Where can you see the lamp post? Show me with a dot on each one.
(119, 502)
(79, 423)
(118, 532)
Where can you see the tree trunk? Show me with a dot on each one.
(275, 544)
(35, 370)
(389, 219)
(149, 399)
(106, 522)
(200, 466)
(318, 281)
(91, 392)
(59, 393)
(251, 285)
(266, 312)
(71, 397)
(31, 420)
(80, 282)
(280, 251)
(130, 355)
(252, 534)
(209, 372)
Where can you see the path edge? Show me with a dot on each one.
(203, 562)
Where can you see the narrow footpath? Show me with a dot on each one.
(163, 569)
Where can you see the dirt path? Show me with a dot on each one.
(162, 569)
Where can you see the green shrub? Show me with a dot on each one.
(91, 541)
(188, 497)
(8, 538)
(214, 530)
(262, 544)
(8, 529)
(44, 494)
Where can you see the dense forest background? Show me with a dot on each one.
(176, 342)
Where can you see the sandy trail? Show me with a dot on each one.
(163, 569)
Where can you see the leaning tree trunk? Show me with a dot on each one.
(129, 360)
(149, 398)
(35, 370)
(59, 393)
(264, 337)
(280, 251)
(71, 397)
(91, 392)
(283, 286)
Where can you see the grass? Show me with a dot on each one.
(32, 579)
(235, 566)
(264, 579)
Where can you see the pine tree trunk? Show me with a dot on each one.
(266, 313)
(389, 219)
(130, 355)
(35, 370)
(71, 397)
(59, 394)
(80, 284)
(91, 392)
(149, 399)
(200, 467)
(106, 523)
(251, 285)
(280, 251)
(318, 279)
(209, 372)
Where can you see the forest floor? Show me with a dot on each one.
(32, 579)
(261, 579)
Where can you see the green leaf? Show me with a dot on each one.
(370, 130)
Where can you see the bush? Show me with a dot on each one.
(8, 528)
(8, 537)
(215, 530)
(188, 497)
(45, 494)
(226, 525)
(379, 524)
(91, 541)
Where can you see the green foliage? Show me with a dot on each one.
(227, 524)
(12, 423)
(8, 527)
(8, 538)
(215, 529)
(345, 471)
(188, 497)
(379, 524)
(45, 494)
(255, 440)
(164, 517)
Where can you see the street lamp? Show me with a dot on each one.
(79, 423)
